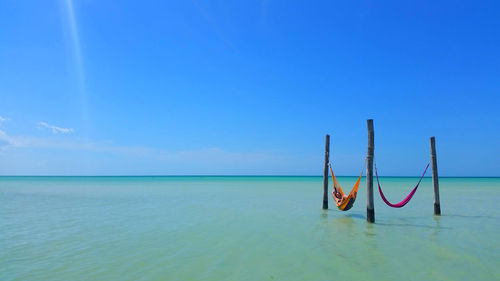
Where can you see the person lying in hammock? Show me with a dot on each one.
(337, 196)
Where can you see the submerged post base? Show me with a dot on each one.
(370, 215)
(325, 205)
(437, 209)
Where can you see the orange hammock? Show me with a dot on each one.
(345, 202)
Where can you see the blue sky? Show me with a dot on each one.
(247, 87)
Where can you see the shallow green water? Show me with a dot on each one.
(243, 228)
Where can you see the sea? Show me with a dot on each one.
(244, 228)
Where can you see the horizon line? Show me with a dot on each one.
(237, 175)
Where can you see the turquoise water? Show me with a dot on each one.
(243, 228)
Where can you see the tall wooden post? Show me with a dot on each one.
(325, 172)
(370, 209)
(435, 178)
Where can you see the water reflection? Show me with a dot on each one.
(324, 214)
(437, 220)
(370, 246)
(370, 230)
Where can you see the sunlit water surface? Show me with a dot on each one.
(243, 228)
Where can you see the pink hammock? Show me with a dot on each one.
(407, 199)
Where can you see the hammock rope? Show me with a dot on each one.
(407, 198)
(346, 202)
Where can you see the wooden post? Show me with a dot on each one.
(435, 178)
(325, 172)
(370, 209)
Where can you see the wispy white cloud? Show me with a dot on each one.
(3, 119)
(54, 129)
(5, 140)
(106, 157)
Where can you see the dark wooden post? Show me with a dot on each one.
(370, 209)
(325, 172)
(435, 178)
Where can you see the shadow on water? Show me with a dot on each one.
(356, 216)
(349, 220)
(338, 217)
(468, 217)
(344, 220)
(341, 223)
(346, 226)
(409, 222)
(340, 214)
(437, 226)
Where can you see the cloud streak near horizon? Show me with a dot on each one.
(86, 154)
(55, 129)
(5, 140)
(3, 119)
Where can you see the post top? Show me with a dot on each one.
(369, 123)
